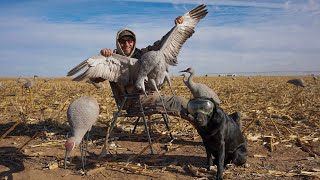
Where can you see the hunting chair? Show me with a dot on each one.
(127, 109)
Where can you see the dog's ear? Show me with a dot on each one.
(215, 104)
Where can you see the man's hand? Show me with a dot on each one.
(179, 20)
(106, 52)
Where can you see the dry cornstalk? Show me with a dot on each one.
(145, 148)
(35, 135)
(307, 149)
(193, 170)
(60, 110)
(246, 128)
(161, 154)
(275, 126)
(47, 144)
(270, 142)
(95, 171)
(9, 130)
(126, 166)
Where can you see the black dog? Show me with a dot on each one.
(220, 133)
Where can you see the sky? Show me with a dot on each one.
(48, 38)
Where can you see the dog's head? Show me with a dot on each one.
(201, 109)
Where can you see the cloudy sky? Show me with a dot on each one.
(48, 38)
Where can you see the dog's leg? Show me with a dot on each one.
(209, 156)
(240, 155)
(221, 154)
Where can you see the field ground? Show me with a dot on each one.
(280, 122)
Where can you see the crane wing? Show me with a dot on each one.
(115, 68)
(181, 33)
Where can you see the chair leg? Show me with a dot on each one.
(146, 126)
(165, 119)
(148, 133)
(115, 117)
(135, 125)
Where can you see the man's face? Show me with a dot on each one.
(127, 44)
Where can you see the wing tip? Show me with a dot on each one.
(198, 8)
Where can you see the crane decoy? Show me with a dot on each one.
(185, 79)
(82, 113)
(198, 89)
(21, 81)
(314, 77)
(297, 82)
(30, 83)
(151, 70)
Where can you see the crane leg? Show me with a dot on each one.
(155, 87)
(86, 148)
(83, 149)
(167, 78)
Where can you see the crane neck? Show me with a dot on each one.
(190, 79)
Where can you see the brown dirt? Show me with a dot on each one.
(268, 105)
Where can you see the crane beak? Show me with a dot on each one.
(66, 157)
(184, 70)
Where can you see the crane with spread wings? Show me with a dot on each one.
(152, 67)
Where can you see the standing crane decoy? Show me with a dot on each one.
(297, 82)
(30, 83)
(151, 69)
(198, 89)
(82, 114)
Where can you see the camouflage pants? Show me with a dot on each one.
(173, 105)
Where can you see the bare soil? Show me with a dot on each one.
(280, 122)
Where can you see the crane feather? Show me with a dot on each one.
(114, 68)
(181, 32)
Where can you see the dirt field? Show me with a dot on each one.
(280, 122)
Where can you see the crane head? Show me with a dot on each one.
(140, 84)
(188, 70)
(70, 145)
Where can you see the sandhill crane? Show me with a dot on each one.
(297, 82)
(82, 114)
(152, 67)
(198, 89)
